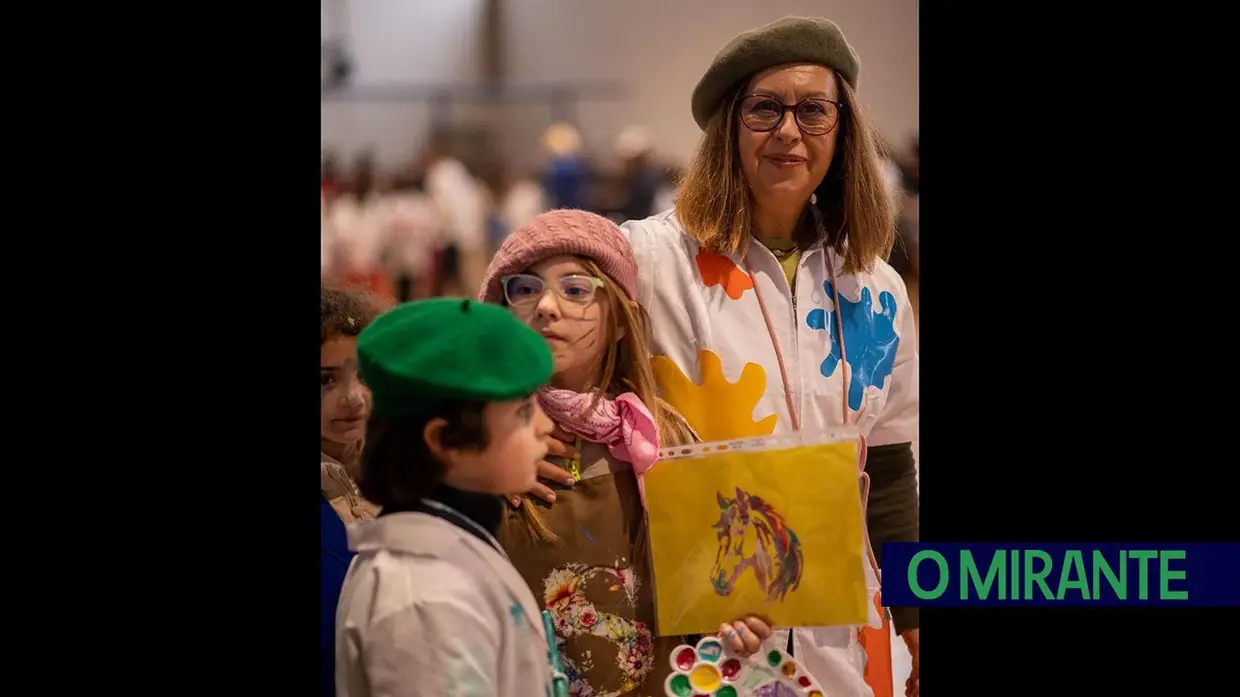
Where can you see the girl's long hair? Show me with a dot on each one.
(626, 368)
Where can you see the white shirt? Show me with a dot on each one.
(358, 231)
(413, 230)
(461, 201)
(429, 610)
(715, 362)
(524, 201)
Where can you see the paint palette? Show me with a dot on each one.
(707, 670)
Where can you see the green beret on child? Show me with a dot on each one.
(420, 353)
(787, 40)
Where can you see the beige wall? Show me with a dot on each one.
(399, 41)
(661, 47)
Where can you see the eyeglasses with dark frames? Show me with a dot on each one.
(815, 117)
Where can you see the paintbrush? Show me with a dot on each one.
(559, 680)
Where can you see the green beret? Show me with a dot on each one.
(420, 353)
(787, 40)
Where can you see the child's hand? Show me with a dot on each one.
(559, 445)
(745, 635)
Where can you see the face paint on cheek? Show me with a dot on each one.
(589, 339)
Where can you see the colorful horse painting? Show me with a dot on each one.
(753, 535)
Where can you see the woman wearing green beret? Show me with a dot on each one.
(773, 260)
(431, 605)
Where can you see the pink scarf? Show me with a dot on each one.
(623, 424)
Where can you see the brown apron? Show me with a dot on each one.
(597, 589)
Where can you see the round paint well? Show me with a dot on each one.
(710, 650)
(685, 658)
(680, 686)
(726, 691)
(731, 669)
(805, 681)
(790, 669)
(815, 693)
(774, 658)
(705, 678)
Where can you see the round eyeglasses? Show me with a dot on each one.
(525, 290)
(815, 117)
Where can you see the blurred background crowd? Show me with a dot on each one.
(445, 126)
(430, 227)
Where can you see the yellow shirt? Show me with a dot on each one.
(789, 256)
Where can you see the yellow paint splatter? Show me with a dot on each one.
(715, 408)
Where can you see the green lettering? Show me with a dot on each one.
(1143, 576)
(1015, 592)
(1119, 586)
(912, 574)
(1038, 577)
(1073, 562)
(969, 575)
(1166, 575)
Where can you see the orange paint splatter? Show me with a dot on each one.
(718, 270)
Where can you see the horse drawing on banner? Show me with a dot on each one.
(753, 535)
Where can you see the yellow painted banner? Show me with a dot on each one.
(773, 531)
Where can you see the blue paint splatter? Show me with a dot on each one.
(585, 532)
(518, 614)
(871, 340)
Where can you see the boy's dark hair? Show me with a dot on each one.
(398, 468)
(346, 313)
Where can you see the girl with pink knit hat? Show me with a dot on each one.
(585, 557)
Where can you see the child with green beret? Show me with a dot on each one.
(571, 275)
(431, 605)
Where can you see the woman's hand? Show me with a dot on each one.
(560, 445)
(912, 639)
(745, 636)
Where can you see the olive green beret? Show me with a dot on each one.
(787, 40)
(420, 353)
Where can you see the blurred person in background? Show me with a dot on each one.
(909, 209)
(785, 202)
(665, 196)
(329, 177)
(363, 178)
(893, 180)
(640, 178)
(324, 242)
(358, 233)
(519, 198)
(413, 235)
(514, 198)
(461, 204)
(568, 172)
(910, 168)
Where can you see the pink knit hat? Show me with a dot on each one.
(573, 232)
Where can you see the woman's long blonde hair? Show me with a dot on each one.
(626, 368)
